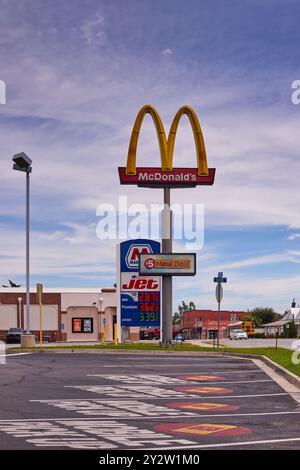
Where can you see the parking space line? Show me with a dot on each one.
(181, 417)
(210, 382)
(192, 397)
(230, 444)
(248, 371)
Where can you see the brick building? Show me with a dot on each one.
(203, 324)
(67, 314)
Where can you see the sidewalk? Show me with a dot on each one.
(251, 343)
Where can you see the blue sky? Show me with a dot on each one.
(76, 74)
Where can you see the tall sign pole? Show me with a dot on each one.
(167, 177)
(167, 295)
(219, 296)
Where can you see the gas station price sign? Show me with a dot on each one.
(139, 295)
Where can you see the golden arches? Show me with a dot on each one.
(198, 137)
(161, 135)
(167, 146)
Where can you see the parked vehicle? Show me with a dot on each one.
(14, 335)
(238, 334)
(150, 333)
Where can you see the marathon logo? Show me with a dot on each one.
(132, 256)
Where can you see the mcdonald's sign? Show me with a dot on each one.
(167, 175)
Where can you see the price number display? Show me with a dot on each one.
(149, 306)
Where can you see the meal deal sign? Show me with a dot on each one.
(139, 295)
(168, 264)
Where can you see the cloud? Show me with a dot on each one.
(167, 51)
(84, 76)
(294, 236)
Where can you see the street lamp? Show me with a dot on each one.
(23, 163)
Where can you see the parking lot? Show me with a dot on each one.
(126, 401)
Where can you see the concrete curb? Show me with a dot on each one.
(289, 376)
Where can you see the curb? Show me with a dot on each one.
(289, 376)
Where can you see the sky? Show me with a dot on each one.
(76, 74)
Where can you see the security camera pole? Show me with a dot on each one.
(219, 296)
(23, 163)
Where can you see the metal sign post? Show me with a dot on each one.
(166, 336)
(39, 290)
(219, 296)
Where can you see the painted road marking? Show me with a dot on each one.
(259, 371)
(73, 434)
(115, 409)
(29, 420)
(204, 389)
(202, 429)
(15, 354)
(203, 406)
(200, 377)
(157, 393)
(233, 444)
(151, 366)
(141, 379)
(138, 391)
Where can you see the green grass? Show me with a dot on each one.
(281, 356)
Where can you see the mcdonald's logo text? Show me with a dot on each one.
(178, 177)
(167, 175)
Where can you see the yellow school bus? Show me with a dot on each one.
(247, 326)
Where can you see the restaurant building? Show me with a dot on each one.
(68, 314)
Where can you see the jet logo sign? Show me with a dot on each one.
(132, 257)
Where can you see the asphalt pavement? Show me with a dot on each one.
(122, 401)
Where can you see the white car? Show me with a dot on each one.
(238, 334)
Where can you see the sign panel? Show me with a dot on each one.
(82, 325)
(219, 292)
(168, 264)
(156, 177)
(139, 295)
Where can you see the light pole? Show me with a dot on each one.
(23, 163)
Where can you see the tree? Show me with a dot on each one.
(183, 307)
(12, 284)
(262, 315)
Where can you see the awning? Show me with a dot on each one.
(276, 323)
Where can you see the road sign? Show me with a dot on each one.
(219, 292)
(168, 264)
(220, 278)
